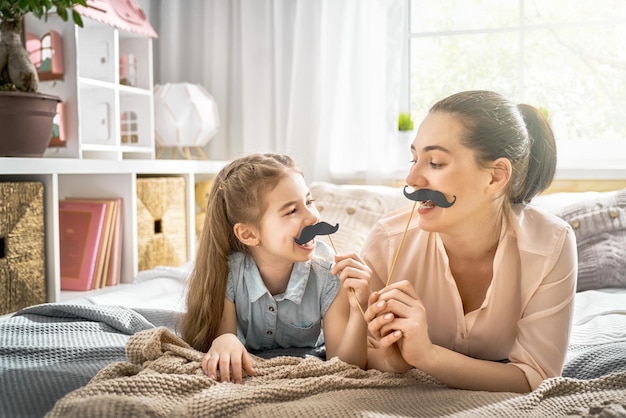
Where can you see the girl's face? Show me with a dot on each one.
(290, 208)
(442, 163)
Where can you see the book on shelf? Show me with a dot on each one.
(81, 227)
(107, 243)
(115, 263)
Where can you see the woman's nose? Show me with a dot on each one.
(415, 177)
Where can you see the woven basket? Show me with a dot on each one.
(161, 222)
(22, 247)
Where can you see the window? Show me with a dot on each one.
(565, 56)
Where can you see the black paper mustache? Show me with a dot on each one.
(320, 228)
(423, 195)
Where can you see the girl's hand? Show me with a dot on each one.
(227, 354)
(354, 274)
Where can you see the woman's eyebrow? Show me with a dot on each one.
(432, 148)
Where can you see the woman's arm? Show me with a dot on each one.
(402, 322)
(544, 329)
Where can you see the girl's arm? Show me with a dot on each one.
(227, 352)
(345, 329)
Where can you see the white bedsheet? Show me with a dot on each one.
(158, 288)
(599, 317)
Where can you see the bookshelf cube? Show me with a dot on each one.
(161, 222)
(22, 247)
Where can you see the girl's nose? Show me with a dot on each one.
(313, 216)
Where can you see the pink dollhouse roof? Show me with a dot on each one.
(122, 14)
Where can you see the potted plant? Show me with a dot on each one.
(405, 136)
(25, 115)
(405, 121)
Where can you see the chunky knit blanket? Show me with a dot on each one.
(162, 378)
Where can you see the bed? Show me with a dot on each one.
(118, 353)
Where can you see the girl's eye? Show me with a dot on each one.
(310, 202)
(435, 165)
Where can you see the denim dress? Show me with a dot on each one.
(289, 319)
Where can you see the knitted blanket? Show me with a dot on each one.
(162, 378)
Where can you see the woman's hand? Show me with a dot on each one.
(354, 274)
(227, 354)
(397, 323)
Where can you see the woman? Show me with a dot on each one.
(481, 293)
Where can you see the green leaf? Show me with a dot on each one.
(405, 121)
(77, 18)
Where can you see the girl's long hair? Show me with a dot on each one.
(236, 196)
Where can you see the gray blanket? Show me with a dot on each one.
(50, 350)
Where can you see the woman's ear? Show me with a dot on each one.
(247, 234)
(500, 174)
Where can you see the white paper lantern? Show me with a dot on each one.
(185, 115)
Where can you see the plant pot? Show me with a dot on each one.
(26, 120)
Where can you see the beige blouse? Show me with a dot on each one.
(527, 312)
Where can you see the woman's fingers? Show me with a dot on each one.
(376, 326)
(375, 307)
(402, 291)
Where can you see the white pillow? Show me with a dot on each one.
(355, 208)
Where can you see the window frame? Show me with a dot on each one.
(608, 161)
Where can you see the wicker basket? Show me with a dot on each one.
(161, 222)
(22, 247)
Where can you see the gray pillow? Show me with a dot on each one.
(600, 227)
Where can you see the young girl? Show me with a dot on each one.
(254, 288)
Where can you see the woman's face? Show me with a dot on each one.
(442, 163)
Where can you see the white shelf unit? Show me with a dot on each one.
(96, 103)
(102, 178)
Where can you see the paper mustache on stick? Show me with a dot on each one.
(323, 228)
(420, 195)
(320, 228)
(424, 195)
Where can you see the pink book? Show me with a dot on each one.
(80, 233)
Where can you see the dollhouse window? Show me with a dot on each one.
(129, 127)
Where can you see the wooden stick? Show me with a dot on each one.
(395, 258)
(353, 292)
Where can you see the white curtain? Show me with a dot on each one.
(316, 79)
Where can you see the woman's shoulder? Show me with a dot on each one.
(539, 228)
(534, 216)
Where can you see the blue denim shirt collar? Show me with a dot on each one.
(295, 288)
